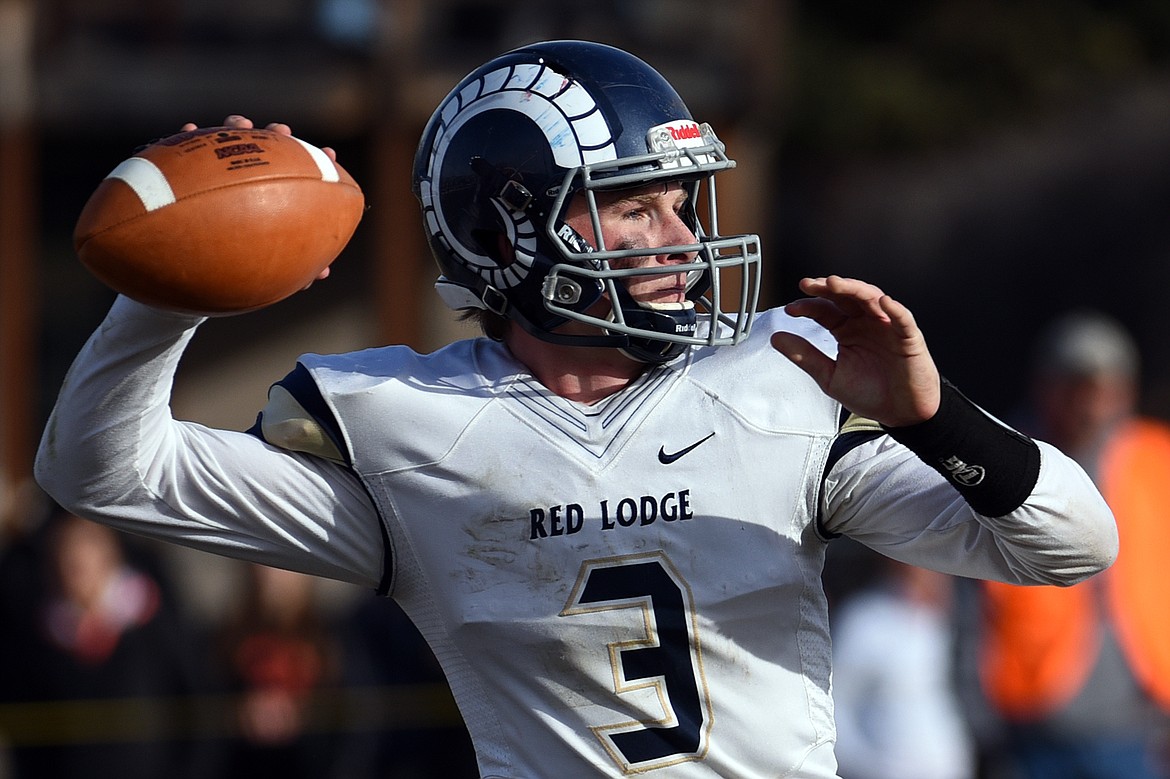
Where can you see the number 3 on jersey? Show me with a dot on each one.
(666, 657)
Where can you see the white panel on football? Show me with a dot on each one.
(326, 166)
(147, 181)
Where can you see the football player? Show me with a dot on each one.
(608, 517)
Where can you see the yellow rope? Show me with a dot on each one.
(142, 719)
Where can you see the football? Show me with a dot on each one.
(218, 220)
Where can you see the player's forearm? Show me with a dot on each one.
(885, 497)
(93, 451)
(112, 452)
(1063, 533)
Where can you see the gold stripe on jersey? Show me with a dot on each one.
(859, 424)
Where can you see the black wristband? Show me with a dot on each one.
(992, 466)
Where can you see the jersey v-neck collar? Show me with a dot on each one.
(596, 430)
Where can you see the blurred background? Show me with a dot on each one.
(989, 163)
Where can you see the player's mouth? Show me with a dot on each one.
(672, 296)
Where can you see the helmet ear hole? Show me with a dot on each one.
(495, 245)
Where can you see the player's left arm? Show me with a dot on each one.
(967, 495)
(943, 485)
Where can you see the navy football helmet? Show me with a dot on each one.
(522, 135)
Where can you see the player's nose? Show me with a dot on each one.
(678, 233)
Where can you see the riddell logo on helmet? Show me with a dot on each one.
(686, 132)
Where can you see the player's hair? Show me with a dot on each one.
(491, 324)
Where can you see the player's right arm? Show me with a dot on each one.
(112, 452)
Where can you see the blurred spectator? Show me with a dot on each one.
(101, 677)
(898, 715)
(279, 657)
(1081, 676)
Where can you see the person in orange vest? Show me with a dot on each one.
(1080, 676)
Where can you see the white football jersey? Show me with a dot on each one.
(631, 587)
(615, 588)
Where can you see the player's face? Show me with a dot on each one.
(643, 218)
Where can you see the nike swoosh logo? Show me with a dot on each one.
(667, 459)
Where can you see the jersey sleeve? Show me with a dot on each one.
(112, 452)
(881, 494)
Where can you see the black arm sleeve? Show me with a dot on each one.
(992, 466)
